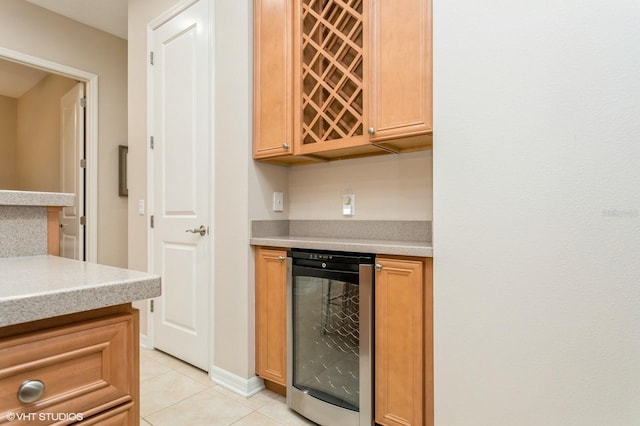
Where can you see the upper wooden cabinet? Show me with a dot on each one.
(273, 84)
(339, 79)
(401, 63)
(330, 75)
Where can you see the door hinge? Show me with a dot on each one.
(83, 163)
(151, 58)
(83, 220)
(151, 141)
(152, 221)
(83, 102)
(151, 305)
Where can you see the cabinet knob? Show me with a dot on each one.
(285, 145)
(378, 267)
(30, 391)
(372, 131)
(281, 258)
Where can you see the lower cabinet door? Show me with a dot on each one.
(399, 342)
(271, 308)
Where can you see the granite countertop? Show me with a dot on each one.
(401, 238)
(31, 198)
(38, 287)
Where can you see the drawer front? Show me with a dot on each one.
(85, 368)
(119, 416)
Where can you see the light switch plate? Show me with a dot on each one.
(141, 207)
(278, 201)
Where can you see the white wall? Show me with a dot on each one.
(537, 213)
(35, 31)
(387, 187)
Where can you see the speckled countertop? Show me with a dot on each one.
(402, 238)
(400, 248)
(38, 287)
(31, 198)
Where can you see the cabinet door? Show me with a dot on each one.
(273, 126)
(271, 305)
(400, 58)
(399, 342)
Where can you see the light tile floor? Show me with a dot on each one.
(175, 393)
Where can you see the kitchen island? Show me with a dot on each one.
(69, 341)
(69, 336)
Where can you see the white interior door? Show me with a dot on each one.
(71, 172)
(181, 184)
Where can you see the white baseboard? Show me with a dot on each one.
(237, 384)
(144, 341)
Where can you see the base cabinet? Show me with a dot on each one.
(271, 308)
(403, 342)
(403, 386)
(73, 368)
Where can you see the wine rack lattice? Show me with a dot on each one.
(332, 70)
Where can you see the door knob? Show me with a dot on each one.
(202, 230)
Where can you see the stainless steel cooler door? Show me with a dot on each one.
(326, 340)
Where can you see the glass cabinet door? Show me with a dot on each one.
(326, 340)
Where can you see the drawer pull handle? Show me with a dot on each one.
(30, 391)
(281, 259)
(378, 267)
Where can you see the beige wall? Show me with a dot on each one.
(536, 213)
(35, 31)
(38, 147)
(8, 142)
(387, 187)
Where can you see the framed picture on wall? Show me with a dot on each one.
(123, 188)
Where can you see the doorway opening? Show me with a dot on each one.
(89, 173)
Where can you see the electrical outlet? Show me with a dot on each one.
(348, 204)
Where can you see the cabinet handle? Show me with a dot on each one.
(30, 391)
(372, 131)
(281, 258)
(285, 145)
(378, 267)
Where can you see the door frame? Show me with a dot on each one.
(91, 136)
(151, 26)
